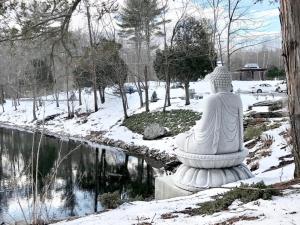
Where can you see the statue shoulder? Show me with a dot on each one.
(228, 98)
(213, 98)
(238, 98)
(212, 102)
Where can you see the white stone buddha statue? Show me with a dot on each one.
(213, 153)
(220, 129)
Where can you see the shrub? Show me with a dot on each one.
(274, 126)
(253, 132)
(111, 200)
(245, 193)
(177, 121)
(274, 71)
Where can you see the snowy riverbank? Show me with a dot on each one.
(271, 164)
(273, 168)
(105, 126)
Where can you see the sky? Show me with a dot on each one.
(270, 13)
(264, 15)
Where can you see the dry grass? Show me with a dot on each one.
(237, 219)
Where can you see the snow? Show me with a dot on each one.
(109, 119)
(110, 115)
(281, 210)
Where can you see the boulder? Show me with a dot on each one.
(48, 118)
(273, 105)
(154, 131)
(267, 103)
(276, 114)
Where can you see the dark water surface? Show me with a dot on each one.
(82, 175)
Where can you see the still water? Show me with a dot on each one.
(70, 177)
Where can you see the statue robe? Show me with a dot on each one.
(220, 129)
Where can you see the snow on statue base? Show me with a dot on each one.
(212, 154)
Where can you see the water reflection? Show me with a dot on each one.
(78, 180)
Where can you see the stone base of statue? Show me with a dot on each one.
(199, 172)
(165, 188)
(195, 179)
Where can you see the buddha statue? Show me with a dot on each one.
(220, 130)
(212, 154)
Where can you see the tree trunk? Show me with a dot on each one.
(18, 95)
(67, 82)
(57, 98)
(290, 20)
(167, 75)
(167, 96)
(2, 98)
(124, 102)
(146, 89)
(140, 92)
(34, 103)
(147, 67)
(79, 96)
(168, 89)
(93, 62)
(138, 55)
(102, 94)
(230, 15)
(220, 49)
(228, 47)
(187, 93)
(1, 152)
(15, 103)
(95, 92)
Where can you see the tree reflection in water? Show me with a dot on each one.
(84, 175)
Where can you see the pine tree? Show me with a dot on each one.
(140, 20)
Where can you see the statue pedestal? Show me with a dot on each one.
(165, 188)
(188, 180)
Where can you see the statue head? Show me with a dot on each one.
(220, 80)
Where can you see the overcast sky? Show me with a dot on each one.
(265, 14)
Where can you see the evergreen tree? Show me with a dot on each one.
(275, 72)
(188, 59)
(139, 19)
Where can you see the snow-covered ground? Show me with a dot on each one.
(280, 210)
(269, 168)
(110, 115)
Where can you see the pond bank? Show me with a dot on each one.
(96, 138)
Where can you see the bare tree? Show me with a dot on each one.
(93, 69)
(290, 20)
(232, 25)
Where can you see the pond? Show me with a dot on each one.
(71, 176)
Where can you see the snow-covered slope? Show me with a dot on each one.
(270, 169)
(110, 115)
